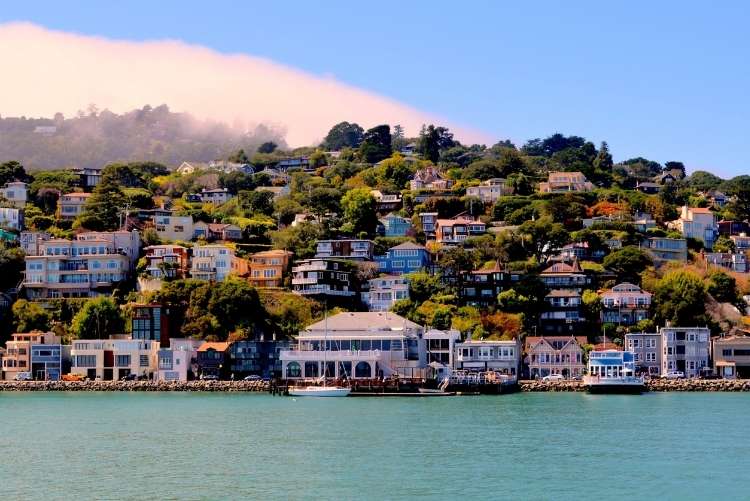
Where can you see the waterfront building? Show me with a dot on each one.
(179, 362)
(667, 249)
(324, 277)
(211, 262)
(491, 190)
(383, 291)
(171, 227)
(395, 226)
(647, 350)
(562, 182)
(267, 268)
(49, 361)
(252, 357)
(562, 313)
(565, 276)
(150, 322)
(113, 359)
(625, 304)
(167, 261)
(430, 178)
(16, 193)
(11, 218)
(352, 249)
(17, 356)
(213, 360)
(441, 350)
(731, 356)
(485, 355)
(359, 345)
(481, 287)
(685, 349)
(698, 223)
(406, 257)
(457, 230)
(612, 371)
(71, 205)
(546, 355)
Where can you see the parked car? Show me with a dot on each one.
(252, 377)
(73, 377)
(674, 375)
(209, 377)
(129, 377)
(23, 376)
(553, 377)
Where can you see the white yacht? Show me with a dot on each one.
(319, 391)
(612, 371)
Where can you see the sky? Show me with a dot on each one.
(664, 80)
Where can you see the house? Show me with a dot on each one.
(643, 221)
(11, 218)
(30, 240)
(71, 205)
(324, 277)
(625, 304)
(667, 249)
(301, 163)
(49, 361)
(267, 268)
(16, 193)
(685, 349)
(484, 355)
(228, 167)
(647, 349)
(648, 188)
(491, 190)
(395, 226)
(353, 249)
(179, 362)
(732, 261)
(430, 178)
(565, 276)
(257, 358)
(17, 357)
(217, 231)
(360, 345)
(665, 177)
(276, 175)
(406, 257)
(171, 227)
(562, 355)
(481, 287)
(88, 266)
(383, 291)
(729, 228)
(277, 191)
(213, 360)
(562, 182)
(579, 251)
(113, 359)
(89, 177)
(186, 168)
(588, 222)
(216, 196)
(150, 322)
(386, 203)
(167, 261)
(717, 198)
(562, 312)
(697, 223)
(428, 220)
(731, 356)
(211, 262)
(441, 350)
(741, 242)
(457, 230)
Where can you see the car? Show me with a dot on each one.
(129, 377)
(674, 375)
(252, 377)
(553, 377)
(23, 376)
(73, 377)
(210, 377)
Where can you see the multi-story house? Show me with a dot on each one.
(267, 268)
(647, 349)
(385, 203)
(167, 261)
(302, 163)
(179, 362)
(213, 360)
(484, 355)
(428, 220)
(406, 257)
(562, 312)
(685, 349)
(729, 228)
(49, 361)
(395, 226)
(150, 322)
(561, 182)
(430, 178)
(731, 356)
(358, 345)
(565, 276)
(625, 304)
(257, 358)
(30, 241)
(113, 359)
(732, 261)
(217, 231)
(90, 177)
(383, 291)
(354, 249)
(211, 262)
(457, 230)
(555, 355)
(481, 287)
(90, 265)
(667, 249)
(698, 223)
(16, 193)
(491, 190)
(71, 205)
(741, 242)
(441, 349)
(215, 196)
(580, 251)
(171, 227)
(324, 277)
(18, 351)
(11, 218)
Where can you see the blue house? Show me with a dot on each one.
(48, 361)
(403, 258)
(395, 226)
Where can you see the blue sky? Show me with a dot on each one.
(663, 80)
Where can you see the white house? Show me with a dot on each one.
(486, 355)
(211, 262)
(698, 223)
(178, 361)
(113, 359)
(11, 218)
(384, 291)
(16, 193)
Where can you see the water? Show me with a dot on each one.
(246, 446)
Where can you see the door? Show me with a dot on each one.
(108, 374)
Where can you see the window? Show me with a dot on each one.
(122, 361)
(85, 361)
(144, 360)
(398, 264)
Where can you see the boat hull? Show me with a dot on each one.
(616, 388)
(319, 391)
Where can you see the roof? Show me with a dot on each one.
(532, 341)
(273, 252)
(76, 194)
(364, 321)
(496, 267)
(700, 210)
(214, 346)
(564, 268)
(408, 245)
(562, 293)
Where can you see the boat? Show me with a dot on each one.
(613, 371)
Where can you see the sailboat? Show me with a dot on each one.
(323, 389)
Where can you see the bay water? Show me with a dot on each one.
(253, 446)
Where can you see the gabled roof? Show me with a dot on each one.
(562, 293)
(534, 341)
(408, 246)
(214, 346)
(563, 268)
(364, 321)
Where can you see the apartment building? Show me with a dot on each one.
(428, 220)
(113, 359)
(211, 262)
(562, 182)
(171, 227)
(667, 249)
(457, 230)
(179, 362)
(731, 356)
(685, 349)
(71, 205)
(562, 313)
(383, 291)
(324, 277)
(30, 241)
(150, 322)
(403, 258)
(395, 226)
(647, 350)
(217, 231)
(565, 276)
(481, 287)
(167, 261)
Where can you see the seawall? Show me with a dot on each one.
(238, 386)
(651, 385)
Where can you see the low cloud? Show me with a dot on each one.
(47, 71)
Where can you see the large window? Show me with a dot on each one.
(122, 361)
(363, 369)
(85, 361)
(293, 369)
(144, 360)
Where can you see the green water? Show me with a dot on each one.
(243, 446)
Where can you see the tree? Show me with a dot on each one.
(433, 139)
(104, 207)
(12, 265)
(267, 147)
(376, 144)
(343, 135)
(239, 157)
(543, 236)
(740, 190)
(398, 139)
(603, 160)
(28, 316)
(12, 171)
(318, 159)
(98, 319)
(701, 180)
(359, 211)
(723, 288)
(627, 263)
(679, 298)
(724, 244)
